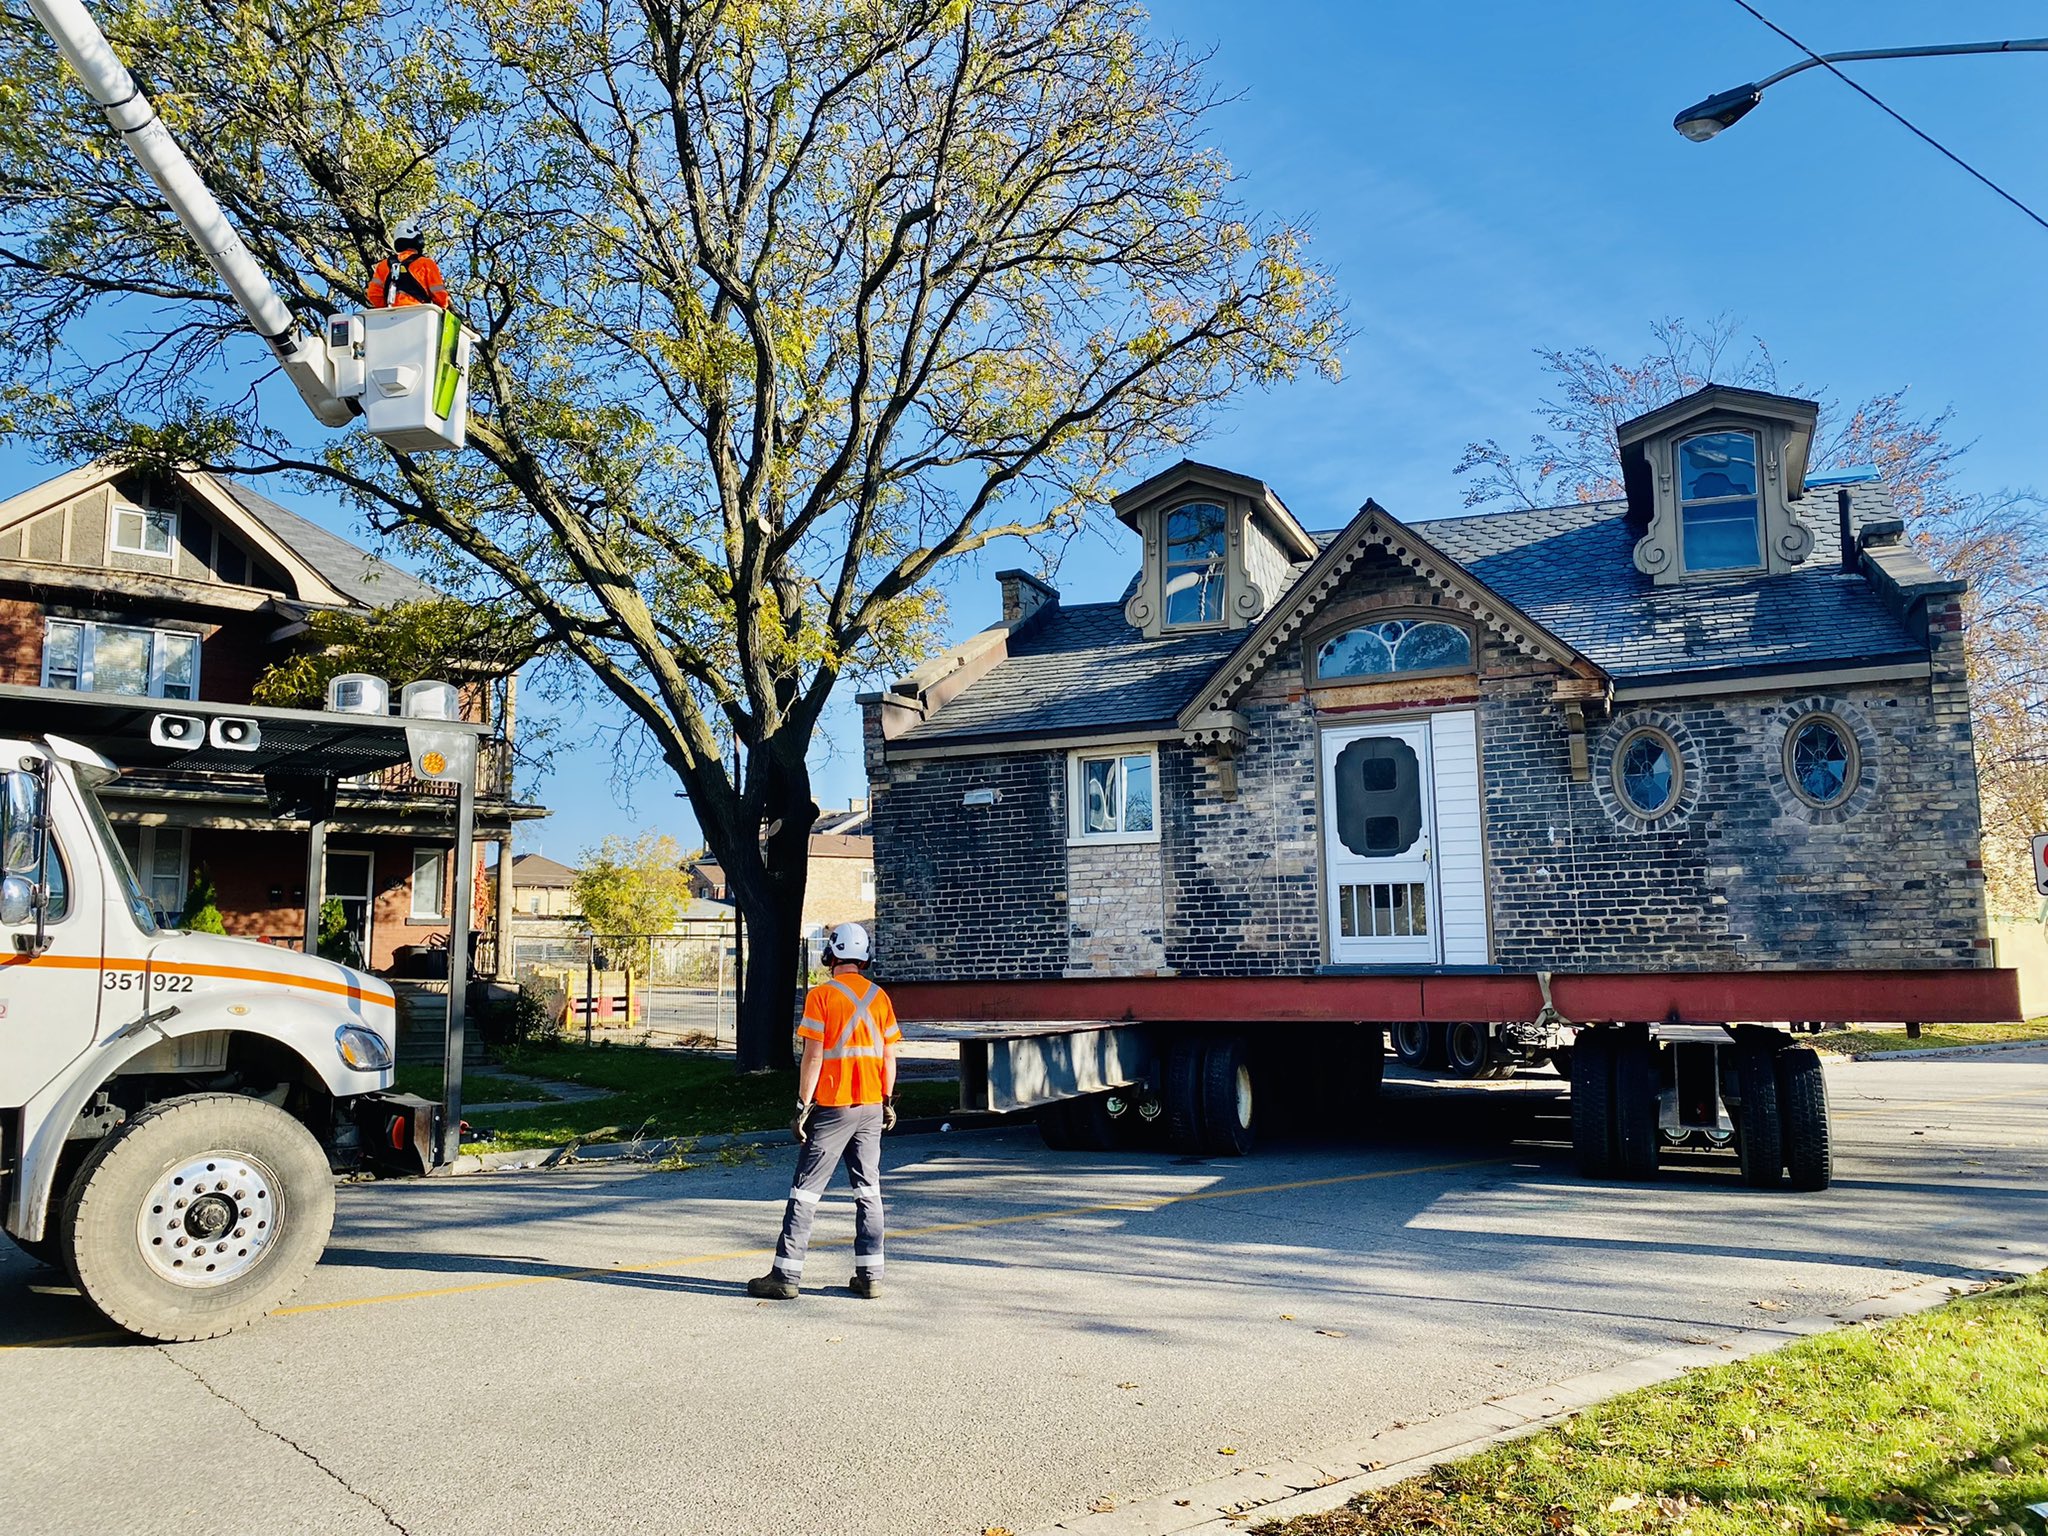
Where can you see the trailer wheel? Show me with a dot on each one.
(1803, 1116)
(1593, 1103)
(1635, 1105)
(198, 1216)
(1759, 1132)
(1229, 1109)
(1184, 1095)
(1411, 1043)
(1468, 1049)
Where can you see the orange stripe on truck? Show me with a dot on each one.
(216, 972)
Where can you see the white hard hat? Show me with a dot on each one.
(407, 233)
(849, 941)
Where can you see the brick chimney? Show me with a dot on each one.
(1023, 595)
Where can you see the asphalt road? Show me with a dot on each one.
(572, 1353)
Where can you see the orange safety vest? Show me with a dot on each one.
(419, 282)
(853, 1020)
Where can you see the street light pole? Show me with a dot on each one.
(1702, 120)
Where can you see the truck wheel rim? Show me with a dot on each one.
(1244, 1098)
(209, 1220)
(1468, 1047)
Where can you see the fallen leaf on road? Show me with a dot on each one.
(1332, 1333)
(1183, 1503)
(1127, 1386)
(1769, 1306)
(995, 1530)
(1102, 1506)
(1286, 1317)
(1226, 1450)
(1623, 1501)
(836, 1339)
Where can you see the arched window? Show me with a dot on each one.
(1717, 502)
(1393, 645)
(1195, 537)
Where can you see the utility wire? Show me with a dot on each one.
(1900, 118)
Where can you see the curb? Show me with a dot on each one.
(1323, 1481)
(1937, 1053)
(573, 1154)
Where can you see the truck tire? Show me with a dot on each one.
(1759, 1131)
(198, 1216)
(1229, 1109)
(1411, 1043)
(1468, 1050)
(1635, 1105)
(1593, 1103)
(1561, 1061)
(1803, 1118)
(1183, 1095)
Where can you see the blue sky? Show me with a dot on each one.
(1486, 179)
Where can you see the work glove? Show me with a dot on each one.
(889, 1113)
(800, 1127)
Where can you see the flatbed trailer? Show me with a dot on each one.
(1654, 1058)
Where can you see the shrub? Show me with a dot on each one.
(202, 906)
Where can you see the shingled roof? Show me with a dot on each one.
(1085, 669)
(349, 568)
(1078, 669)
(1572, 570)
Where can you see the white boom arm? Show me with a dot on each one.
(306, 359)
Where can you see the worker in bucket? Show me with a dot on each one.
(845, 1099)
(417, 279)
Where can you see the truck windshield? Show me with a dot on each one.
(119, 870)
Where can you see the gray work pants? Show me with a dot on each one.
(855, 1134)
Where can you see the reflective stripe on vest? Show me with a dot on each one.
(850, 1043)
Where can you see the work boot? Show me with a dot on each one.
(773, 1286)
(865, 1284)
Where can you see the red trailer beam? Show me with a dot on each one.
(1686, 997)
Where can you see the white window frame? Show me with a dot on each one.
(149, 842)
(1078, 834)
(439, 858)
(867, 882)
(88, 634)
(167, 515)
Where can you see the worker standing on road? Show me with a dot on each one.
(845, 1099)
(417, 279)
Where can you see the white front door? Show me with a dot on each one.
(1379, 830)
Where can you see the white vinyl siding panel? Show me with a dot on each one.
(1460, 844)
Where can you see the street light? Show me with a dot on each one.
(1704, 119)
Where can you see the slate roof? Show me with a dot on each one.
(1083, 668)
(352, 570)
(1076, 669)
(1572, 570)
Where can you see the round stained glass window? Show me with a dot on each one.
(1820, 760)
(1647, 773)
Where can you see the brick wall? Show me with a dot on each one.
(1742, 873)
(21, 642)
(972, 891)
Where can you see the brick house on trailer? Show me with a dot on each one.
(1719, 724)
(188, 587)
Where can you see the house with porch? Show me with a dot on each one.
(1720, 722)
(188, 586)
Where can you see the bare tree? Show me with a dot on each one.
(782, 307)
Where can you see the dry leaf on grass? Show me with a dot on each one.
(1623, 1501)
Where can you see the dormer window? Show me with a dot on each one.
(1196, 540)
(1719, 510)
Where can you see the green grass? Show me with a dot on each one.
(1933, 1037)
(653, 1092)
(1932, 1425)
(478, 1088)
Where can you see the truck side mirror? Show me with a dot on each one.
(17, 901)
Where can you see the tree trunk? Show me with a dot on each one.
(767, 864)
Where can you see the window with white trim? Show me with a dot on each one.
(143, 530)
(120, 658)
(429, 883)
(1114, 796)
(158, 857)
(867, 882)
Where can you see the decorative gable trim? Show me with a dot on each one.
(308, 585)
(1373, 529)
